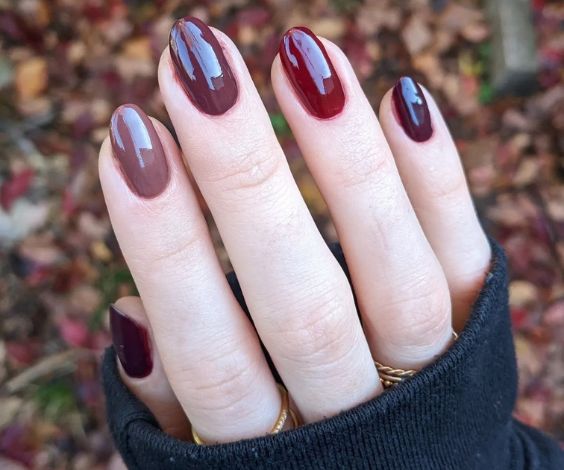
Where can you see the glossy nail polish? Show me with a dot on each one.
(131, 343)
(412, 110)
(311, 73)
(201, 66)
(138, 149)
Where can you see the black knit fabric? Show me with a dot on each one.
(454, 414)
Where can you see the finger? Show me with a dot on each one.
(432, 173)
(400, 287)
(209, 350)
(140, 366)
(296, 291)
(116, 463)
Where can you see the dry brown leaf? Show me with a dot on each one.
(138, 48)
(475, 32)
(31, 78)
(430, 65)
(464, 102)
(456, 17)
(101, 251)
(84, 299)
(9, 407)
(330, 28)
(522, 293)
(527, 172)
(378, 14)
(416, 35)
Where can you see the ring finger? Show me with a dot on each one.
(432, 173)
(400, 286)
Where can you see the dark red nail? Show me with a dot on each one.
(131, 342)
(201, 66)
(138, 149)
(311, 72)
(412, 110)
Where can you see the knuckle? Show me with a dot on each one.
(448, 187)
(249, 168)
(174, 249)
(221, 385)
(363, 165)
(318, 332)
(427, 304)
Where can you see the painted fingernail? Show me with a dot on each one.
(412, 110)
(201, 66)
(138, 149)
(131, 343)
(311, 73)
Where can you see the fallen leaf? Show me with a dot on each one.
(31, 78)
(74, 332)
(23, 218)
(9, 406)
(522, 293)
(15, 187)
(416, 35)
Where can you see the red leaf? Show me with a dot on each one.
(74, 332)
(22, 353)
(519, 317)
(15, 187)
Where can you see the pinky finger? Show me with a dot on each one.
(140, 367)
(432, 173)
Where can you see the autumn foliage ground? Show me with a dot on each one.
(66, 64)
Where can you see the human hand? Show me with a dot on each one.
(397, 195)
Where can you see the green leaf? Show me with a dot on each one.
(55, 399)
(109, 282)
(486, 93)
(346, 6)
(279, 124)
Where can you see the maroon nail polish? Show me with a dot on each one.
(138, 149)
(311, 73)
(201, 66)
(131, 343)
(412, 110)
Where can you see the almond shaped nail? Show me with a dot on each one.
(201, 66)
(138, 149)
(311, 73)
(412, 110)
(131, 343)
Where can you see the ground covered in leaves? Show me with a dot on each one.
(66, 64)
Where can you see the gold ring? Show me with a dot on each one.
(281, 421)
(390, 376)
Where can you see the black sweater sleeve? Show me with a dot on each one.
(454, 414)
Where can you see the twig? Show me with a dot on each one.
(63, 361)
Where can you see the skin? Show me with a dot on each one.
(404, 216)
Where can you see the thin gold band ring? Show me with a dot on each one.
(281, 422)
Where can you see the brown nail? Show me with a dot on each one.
(138, 149)
(201, 66)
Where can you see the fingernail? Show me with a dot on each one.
(201, 66)
(311, 73)
(131, 343)
(412, 110)
(138, 149)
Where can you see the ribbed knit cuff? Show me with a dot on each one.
(455, 413)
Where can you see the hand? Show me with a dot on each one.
(397, 195)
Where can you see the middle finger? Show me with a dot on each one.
(297, 293)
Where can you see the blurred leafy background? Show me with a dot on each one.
(66, 64)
